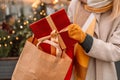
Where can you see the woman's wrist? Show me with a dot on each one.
(87, 43)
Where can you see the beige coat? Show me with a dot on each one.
(106, 45)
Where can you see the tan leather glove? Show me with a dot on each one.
(76, 33)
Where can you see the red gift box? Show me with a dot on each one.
(57, 21)
(60, 19)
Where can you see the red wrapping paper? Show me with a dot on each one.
(42, 28)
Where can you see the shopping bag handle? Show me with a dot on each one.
(45, 40)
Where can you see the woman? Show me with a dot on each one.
(104, 47)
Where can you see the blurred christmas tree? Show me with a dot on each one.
(5, 43)
(23, 32)
(39, 10)
(12, 44)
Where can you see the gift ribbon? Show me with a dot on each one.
(53, 27)
(57, 38)
(49, 36)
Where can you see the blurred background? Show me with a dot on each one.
(15, 18)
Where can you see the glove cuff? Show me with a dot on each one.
(87, 43)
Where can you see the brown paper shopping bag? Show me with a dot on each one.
(35, 64)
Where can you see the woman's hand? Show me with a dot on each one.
(76, 33)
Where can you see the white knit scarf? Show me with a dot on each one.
(98, 3)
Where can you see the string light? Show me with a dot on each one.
(17, 38)
(18, 21)
(40, 13)
(42, 4)
(44, 14)
(0, 45)
(13, 31)
(5, 45)
(8, 37)
(11, 42)
(25, 23)
(35, 6)
(55, 1)
(35, 19)
(4, 38)
(21, 27)
(43, 10)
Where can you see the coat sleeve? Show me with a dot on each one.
(107, 51)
